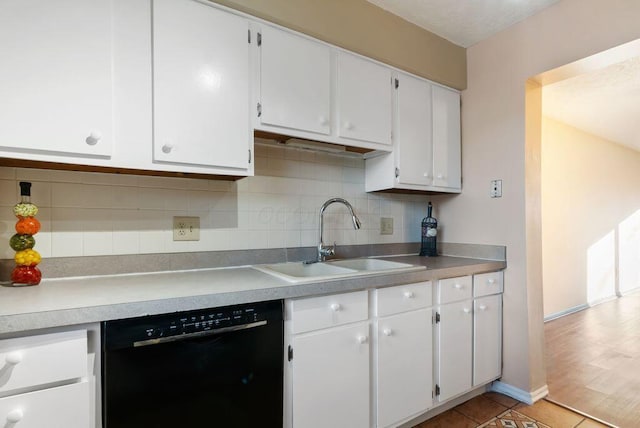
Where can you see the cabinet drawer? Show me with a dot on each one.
(328, 311)
(38, 360)
(487, 283)
(454, 289)
(402, 298)
(61, 407)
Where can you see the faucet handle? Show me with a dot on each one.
(332, 249)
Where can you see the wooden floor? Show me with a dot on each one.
(496, 410)
(593, 361)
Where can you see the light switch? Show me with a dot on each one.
(496, 189)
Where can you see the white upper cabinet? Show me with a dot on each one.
(311, 90)
(295, 75)
(56, 77)
(413, 132)
(446, 138)
(200, 85)
(363, 99)
(426, 140)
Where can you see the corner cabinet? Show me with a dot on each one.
(56, 79)
(200, 86)
(426, 140)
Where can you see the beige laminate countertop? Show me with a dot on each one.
(81, 300)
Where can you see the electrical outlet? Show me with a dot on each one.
(386, 225)
(496, 189)
(186, 228)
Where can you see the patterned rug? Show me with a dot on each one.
(513, 419)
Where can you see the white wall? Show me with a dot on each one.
(590, 217)
(493, 129)
(86, 214)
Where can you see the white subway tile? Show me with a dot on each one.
(67, 244)
(10, 193)
(65, 195)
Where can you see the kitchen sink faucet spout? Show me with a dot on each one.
(323, 251)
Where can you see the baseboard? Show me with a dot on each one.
(519, 394)
(628, 292)
(566, 312)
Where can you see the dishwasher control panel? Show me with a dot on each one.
(141, 330)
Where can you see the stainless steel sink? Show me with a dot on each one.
(307, 272)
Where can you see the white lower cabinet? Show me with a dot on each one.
(331, 378)
(404, 366)
(454, 347)
(383, 357)
(44, 381)
(328, 369)
(487, 339)
(468, 333)
(61, 407)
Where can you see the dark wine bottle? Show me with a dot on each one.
(429, 234)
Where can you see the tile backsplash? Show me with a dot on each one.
(89, 214)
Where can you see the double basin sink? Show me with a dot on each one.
(307, 272)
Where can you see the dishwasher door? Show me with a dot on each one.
(208, 368)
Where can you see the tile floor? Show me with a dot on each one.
(497, 410)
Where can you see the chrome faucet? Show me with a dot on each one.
(323, 251)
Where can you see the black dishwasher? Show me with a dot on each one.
(219, 367)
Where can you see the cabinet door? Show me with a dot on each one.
(56, 76)
(454, 349)
(200, 84)
(364, 99)
(404, 366)
(446, 138)
(61, 407)
(487, 343)
(295, 77)
(331, 378)
(413, 131)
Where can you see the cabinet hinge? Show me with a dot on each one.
(249, 36)
(396, 83)
(397, 172)
(259, 106)
(290, 353)
(437, 317)
(249, 155)
(437, 389)
(259, 36)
